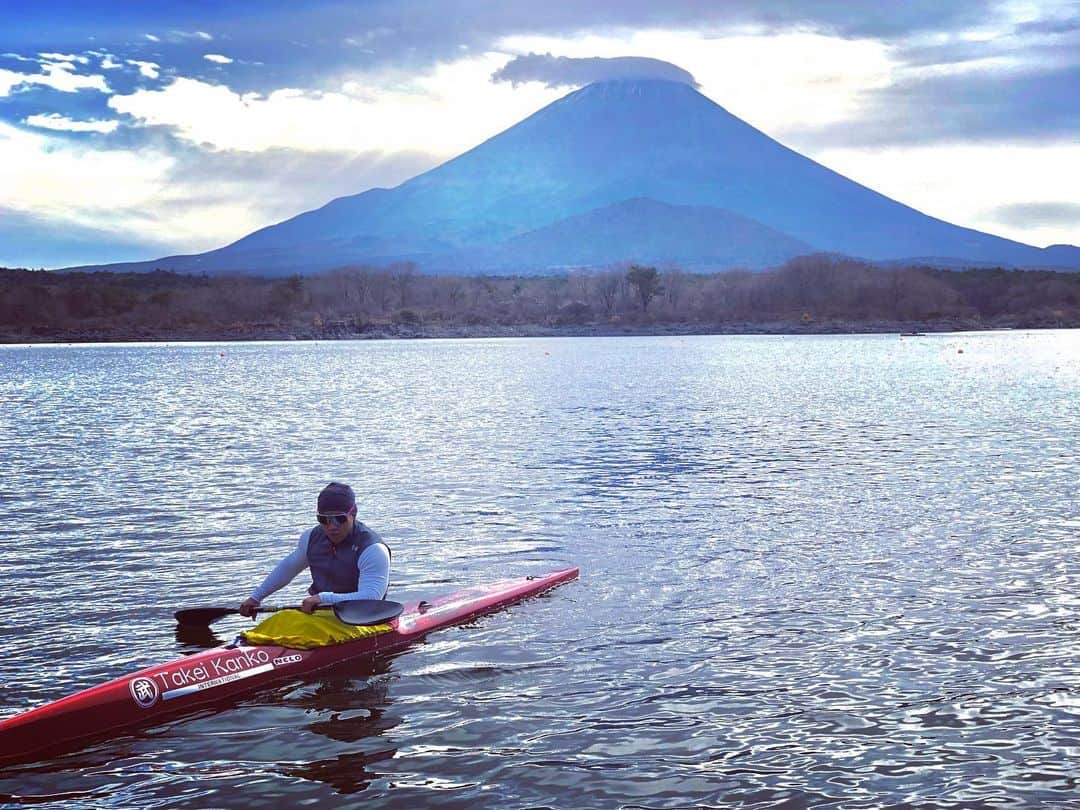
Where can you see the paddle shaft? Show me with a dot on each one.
(276, 608)
(356, 611)
(204, 616)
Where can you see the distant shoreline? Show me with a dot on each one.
(813, 295)
(392, 331)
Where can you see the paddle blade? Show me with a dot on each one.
(367, 611)
(201, 617)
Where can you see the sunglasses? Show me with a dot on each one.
(337, 520)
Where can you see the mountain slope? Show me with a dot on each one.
(637, 230)
(604, 144)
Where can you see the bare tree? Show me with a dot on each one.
(578, 285)
(674, 287)
(381, 289)
(362, 281)
(607, 286)
(404, 276)
(454, 289)
(816, 288)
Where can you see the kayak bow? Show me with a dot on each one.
(223, 672)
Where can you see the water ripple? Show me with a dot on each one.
(816, 572)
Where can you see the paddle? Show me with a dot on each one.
(358, 611)
(368, 611)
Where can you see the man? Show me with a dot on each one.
(347, 559)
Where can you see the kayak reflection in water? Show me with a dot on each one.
(347, 559)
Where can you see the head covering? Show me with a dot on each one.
(336, 499)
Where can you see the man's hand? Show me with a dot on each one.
(310, 603)
(247, 607)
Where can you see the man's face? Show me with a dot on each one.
(339, 526)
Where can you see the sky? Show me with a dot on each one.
(132, 130)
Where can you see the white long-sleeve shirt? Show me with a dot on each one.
(373, 565)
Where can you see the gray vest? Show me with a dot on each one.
(333, 568)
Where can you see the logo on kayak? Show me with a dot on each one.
(144, 691)
(288, 659)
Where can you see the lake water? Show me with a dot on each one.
(837, 570)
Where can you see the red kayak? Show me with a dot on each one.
(179, 686)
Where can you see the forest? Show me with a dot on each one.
(818, 293)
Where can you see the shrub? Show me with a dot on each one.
(574, 314)
(407, 317)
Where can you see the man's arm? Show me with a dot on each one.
(374, 567)
(284, 572)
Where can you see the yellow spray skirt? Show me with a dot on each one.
(302, 631)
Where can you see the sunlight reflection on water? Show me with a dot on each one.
(814, 569)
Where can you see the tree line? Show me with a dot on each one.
(804, 291)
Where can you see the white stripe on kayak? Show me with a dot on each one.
(235, 676)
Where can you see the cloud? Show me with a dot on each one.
(58, 122)
(955, 182)
(179, 36)
(57, 75)
(37, 99)
(1054, 25)
(443, 112)
(52, 179)
(60, 205)
(150, 70)
(278, 183)
(1042, 44)
(31, 240)
(364, 39)
(1013, 78)
(218, 58)
(9, 79)
(69, 188)
(326, 37)
(65, 57)
(988, 105)
(830, 77)
(323, 84)
(564, 71)
(1037, 213)
(280, 44)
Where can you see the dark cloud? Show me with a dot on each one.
(1061, 25)
(278, 43)
(1021, 84)
(281, 43)
(1050, 42)
(563, 71)
(1027, 215)
(951, 53)
(966, 107)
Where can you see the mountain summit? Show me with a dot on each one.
(623, 170)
